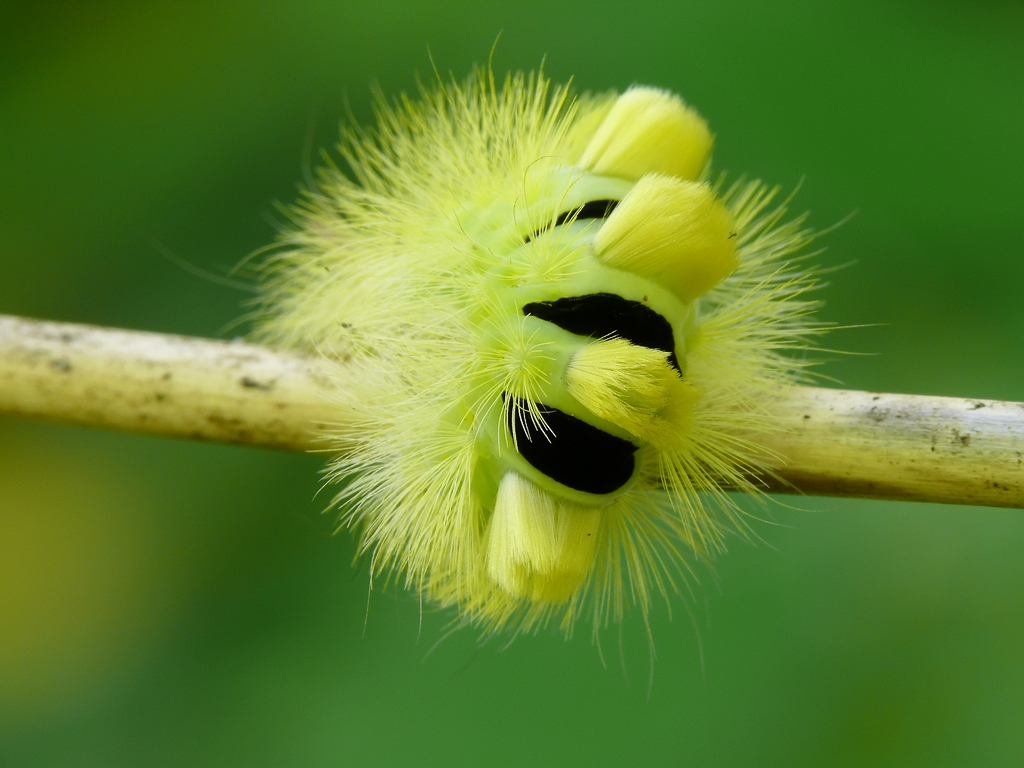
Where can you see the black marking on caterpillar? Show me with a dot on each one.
(571, 451)
(595, 209)
(600, 315)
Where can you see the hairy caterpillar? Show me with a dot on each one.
(568, 336)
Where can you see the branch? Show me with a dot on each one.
(836, 442)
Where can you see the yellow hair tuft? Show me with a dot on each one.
(676, 232)
(536, 546)
(634, 388)
(649, 130)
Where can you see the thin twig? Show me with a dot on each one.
(834, 442)
(177, 386)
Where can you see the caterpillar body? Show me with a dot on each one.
(567, 335)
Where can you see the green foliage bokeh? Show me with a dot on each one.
(165, 603)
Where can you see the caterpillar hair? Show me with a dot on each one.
(568, 337)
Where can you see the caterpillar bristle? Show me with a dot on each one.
(564, 339)
(649, 130)
(676, 232)
(634, 388)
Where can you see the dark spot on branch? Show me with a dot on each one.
(222, 421)
(250, 383)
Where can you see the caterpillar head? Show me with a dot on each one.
(566, 330)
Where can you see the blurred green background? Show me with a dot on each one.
(165, 603)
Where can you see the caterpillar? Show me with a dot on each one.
(567, 338)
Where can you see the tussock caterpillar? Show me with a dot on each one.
(568, 336)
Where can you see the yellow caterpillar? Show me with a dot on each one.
(567, 335)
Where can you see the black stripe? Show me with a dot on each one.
(571, 451)
(595, 209)
(606, 314)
